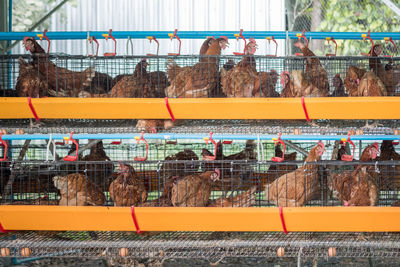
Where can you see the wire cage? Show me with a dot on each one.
(227, 173)
(80, 76)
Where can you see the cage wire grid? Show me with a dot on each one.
(208, 245)
(111, 71)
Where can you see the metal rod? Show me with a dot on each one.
(173, 136)
(82, 35)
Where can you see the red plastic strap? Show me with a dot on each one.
(304, 108)
(282, 220)
(2, 230)
(134, 220)
(33, 109)
(169, 109)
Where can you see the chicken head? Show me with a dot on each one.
(223, 42)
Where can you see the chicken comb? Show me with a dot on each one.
(252, 40)
(26, 38)
(274, 71)
(321, 144)
(224, 37)
(376, 145)
(285, 72)
(337, 75)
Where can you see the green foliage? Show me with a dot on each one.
(358, 16)
(27, 12)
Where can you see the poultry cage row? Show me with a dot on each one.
(173, 185)
(96, 77)
(244, 169)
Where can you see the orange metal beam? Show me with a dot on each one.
(319, 219)
(203, 108)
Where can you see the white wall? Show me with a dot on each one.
(165, 15)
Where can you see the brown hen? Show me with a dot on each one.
(389, 174)
(296, 188)
(58, 79)
(194, 190)
(357, 187)
(76, 190)
(242, 80)
(389, 74)
(314, 73)
(127, 189)
(245, 199)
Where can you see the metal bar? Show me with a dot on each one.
(351, 108)
(173, 136)
(82, 35)
(300, 219)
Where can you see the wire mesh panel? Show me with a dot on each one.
(194, 76)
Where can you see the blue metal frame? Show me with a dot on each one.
(173, 136)
(82, 35)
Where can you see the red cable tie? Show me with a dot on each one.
(282, 220)
(134, 220)
(169, 109)
(2, 230)
(33, 109)
(304, 108)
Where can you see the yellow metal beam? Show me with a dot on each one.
(319, 219)
(203, 108)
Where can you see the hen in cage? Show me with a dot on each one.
(388, 74)
(76, 190)
(338, 84)
(389, 174)
(241, 80)
(296, 188)
(315, 74)
(194, 190)
(230, 166)
(127, 189)
(99, 173)
(59, 80)
(357, 187)
(277, 170)
(180, 169)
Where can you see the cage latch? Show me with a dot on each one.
(153, 38)
(387, 40)
(138, 139)
(90, 40)
(172, 36)
(135, 222)
(348, 157)
(210, 139)
(336, 46)
(300, 36)
(69, 157)
(279, 140)
(109, 35)
(43, 35)
(33, 109)
(276, 45)
(5, 144)
(240, 35)
(169, 109)
(364, 37)
(303, 103)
